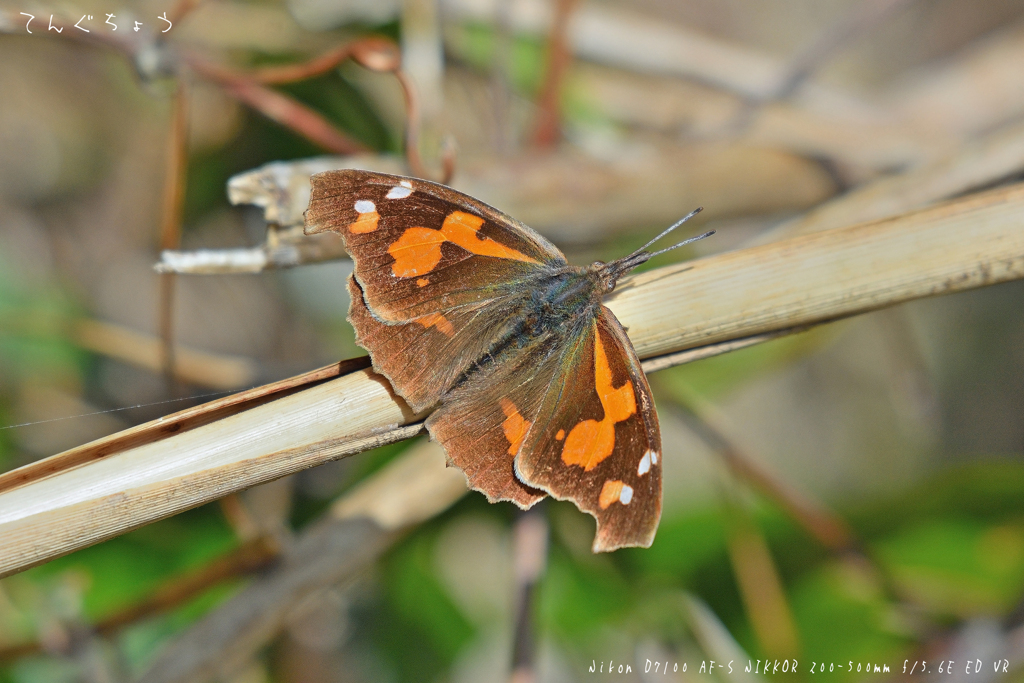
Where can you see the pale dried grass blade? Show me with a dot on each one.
(573, 194)
(971, 91)
(977, 164)
(967, 243)
(194, 366)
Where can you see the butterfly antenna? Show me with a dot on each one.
(670, 229)
(709, 233)
(627, 263)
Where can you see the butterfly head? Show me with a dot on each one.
(610, 273)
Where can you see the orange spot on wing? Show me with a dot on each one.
(514, 425)
(461, 228)
(422, 282)
(439, 321)
(418, 250)
(610, 493)
(560, 435)
(367, 222)
(591, 441)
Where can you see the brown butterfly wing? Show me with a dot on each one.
(596, 440)
(477, 434)
(421, 248)
(425, 357)
(576, 412)
(443, 271)
(483, 422)
(438, 278)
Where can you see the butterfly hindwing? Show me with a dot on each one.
(596, 439)
(424, 357)
(421, 248)
(482, 422)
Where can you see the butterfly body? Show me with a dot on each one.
(568, 295)
(535, 386)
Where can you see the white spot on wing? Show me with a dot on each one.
(645, 464)
(399, 192)
(365, 206)
(626, 494)
(406, 183)
(654, 457)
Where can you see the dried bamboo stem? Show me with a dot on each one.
(569, 194)
(978, 163)
(971, 242)
(972, 90)
(194, 366)
(963, 244)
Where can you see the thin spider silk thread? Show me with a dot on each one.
(115, 410)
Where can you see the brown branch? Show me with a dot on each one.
(277, 107)
(530, 536)
(377, 54)
(249, 89)
(547, 130)
(170, 227)
(374, 53)
(245, 559)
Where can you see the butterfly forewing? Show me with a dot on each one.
(431, 257)
(420, 248)
(596, 439)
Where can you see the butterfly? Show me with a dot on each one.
(536, 387)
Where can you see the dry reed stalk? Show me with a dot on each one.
(194, 366)
(567, 195)
(973, 90)
(978, 163)
(963, 244)
(571, 194)
(971, 242)
(862, 145)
